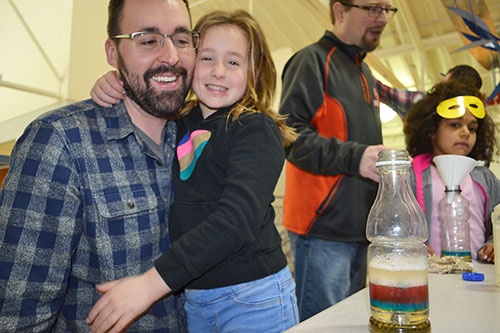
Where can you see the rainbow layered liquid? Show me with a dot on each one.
(399, 290)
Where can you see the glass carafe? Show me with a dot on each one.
(397, 255)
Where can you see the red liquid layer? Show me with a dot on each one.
(418, 296)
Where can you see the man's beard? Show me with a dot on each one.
(368, 45)
(163, 104)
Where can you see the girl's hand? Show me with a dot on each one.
(430, 251)
(126, 300)
(108, 89)
(487, 253)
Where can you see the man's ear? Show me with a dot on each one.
(111, 53)
(338, 11)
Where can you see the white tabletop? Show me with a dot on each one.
(455, 306)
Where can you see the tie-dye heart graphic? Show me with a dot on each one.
(189, 150)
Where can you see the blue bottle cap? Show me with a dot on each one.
(473, 276)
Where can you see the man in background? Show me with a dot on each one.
(88, 193)
(400, 100)
(329, 97)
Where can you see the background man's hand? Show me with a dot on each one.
(367, 167)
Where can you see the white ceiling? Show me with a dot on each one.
(416, 46)
(34, 57)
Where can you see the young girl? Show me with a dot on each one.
(226, 252)
(432, 130)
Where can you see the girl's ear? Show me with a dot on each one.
(111, 53)
(432, 136)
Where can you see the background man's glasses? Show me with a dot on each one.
(149, 41)
(375, 11)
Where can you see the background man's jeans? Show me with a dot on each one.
(326, 272)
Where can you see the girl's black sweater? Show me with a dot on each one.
(222, 221)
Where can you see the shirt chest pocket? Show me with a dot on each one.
(117, 203)
(129, 227)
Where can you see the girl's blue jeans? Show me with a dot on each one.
(265, 305)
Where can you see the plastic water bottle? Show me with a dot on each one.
(454, 221)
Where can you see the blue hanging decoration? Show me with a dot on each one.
(483, 37)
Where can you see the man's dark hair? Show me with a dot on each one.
(466, 73)
(115, 10)
(332, 2)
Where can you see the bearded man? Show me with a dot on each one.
(88, 193)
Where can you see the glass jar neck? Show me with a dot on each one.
(395, 176)
(391, 157)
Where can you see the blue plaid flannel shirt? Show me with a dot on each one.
(399, 100)
(83, 203)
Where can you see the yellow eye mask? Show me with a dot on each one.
(455, 107)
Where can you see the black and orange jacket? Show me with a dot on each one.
(329, 95)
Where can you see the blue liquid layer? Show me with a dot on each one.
(400, 307)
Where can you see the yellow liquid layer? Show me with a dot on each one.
(399, 318)
(379, 327)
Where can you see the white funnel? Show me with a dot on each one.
(454, 168)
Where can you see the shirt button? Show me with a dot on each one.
(130, 204)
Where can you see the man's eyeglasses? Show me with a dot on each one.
(375, 11)
(149, 41)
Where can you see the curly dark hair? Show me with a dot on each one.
(422, 122)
